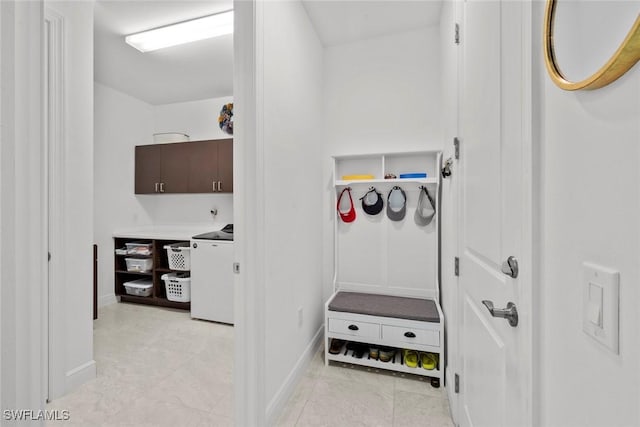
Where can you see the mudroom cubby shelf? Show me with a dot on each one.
(386, 272)
(159, 266)
(380, 165)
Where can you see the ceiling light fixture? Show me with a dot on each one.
(206, 27)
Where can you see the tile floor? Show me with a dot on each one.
(349, 395)
(158, 367)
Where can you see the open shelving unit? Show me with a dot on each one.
(160, 266)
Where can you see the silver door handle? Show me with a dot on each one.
(156, 187)
(219, 185)
(162, 187)
(510, 313)
(213, 186)
(510, 267)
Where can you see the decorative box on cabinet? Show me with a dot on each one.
(375, 257)
(185, 167)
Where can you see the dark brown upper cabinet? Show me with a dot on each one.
(211, 168)
(185, 167)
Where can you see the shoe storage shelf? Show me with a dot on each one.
(386, 286)
(150, 264)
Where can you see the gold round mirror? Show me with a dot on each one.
(576, 34)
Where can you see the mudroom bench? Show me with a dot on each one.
(387, 323)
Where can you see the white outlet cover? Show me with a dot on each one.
(595, 276)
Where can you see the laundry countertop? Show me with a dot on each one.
(167, 232)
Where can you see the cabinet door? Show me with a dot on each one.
(147, 164)
(174, 169)
(203, 172)
(225, 165)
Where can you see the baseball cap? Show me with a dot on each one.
(425, 209)
(372, 202)
(396, 204)
(350, 214)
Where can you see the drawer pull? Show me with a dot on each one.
(409, 335)
(353, 327)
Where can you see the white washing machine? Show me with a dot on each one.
(212, 276)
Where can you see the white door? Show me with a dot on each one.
(495, 220)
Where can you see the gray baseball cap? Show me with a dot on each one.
(426, 208)
(396, 204)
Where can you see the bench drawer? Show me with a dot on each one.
(410, 335)
(355, 328)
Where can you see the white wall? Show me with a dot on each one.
(122, 122)
(199, 120)
(73, 338)
(381, 95)
(293, 139)
(589, 183)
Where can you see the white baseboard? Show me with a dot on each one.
(275, 407)
(104, 300)
(80, 375)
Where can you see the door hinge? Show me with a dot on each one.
(236, 267)
(456, 146)
(456, 37)
(456, 266)
(456, 382)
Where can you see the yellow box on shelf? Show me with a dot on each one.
(356, 177)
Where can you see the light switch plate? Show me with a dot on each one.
(606, 301)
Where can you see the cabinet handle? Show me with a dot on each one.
(353, 327)
(409, 335)
(156, 187)
(219, 185)
(213, 186)
(162, 187)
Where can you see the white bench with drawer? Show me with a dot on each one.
(388, 327)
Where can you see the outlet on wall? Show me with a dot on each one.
(299, 316)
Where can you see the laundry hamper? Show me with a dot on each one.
(179, 256)
(178, 286)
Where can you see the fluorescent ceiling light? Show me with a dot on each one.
(183, 32)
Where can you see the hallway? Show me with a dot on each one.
(158, 367)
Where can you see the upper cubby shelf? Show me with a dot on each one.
(380, 165)
(343, 182)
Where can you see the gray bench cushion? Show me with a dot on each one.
(424, 310)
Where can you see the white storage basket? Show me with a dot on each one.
(140, 288)
(139, 264)
(179, 256)
(178, 286)
(137, 248)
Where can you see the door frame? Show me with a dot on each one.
(53, 185)
(249, 227)
(22, 246)
(527, 258)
